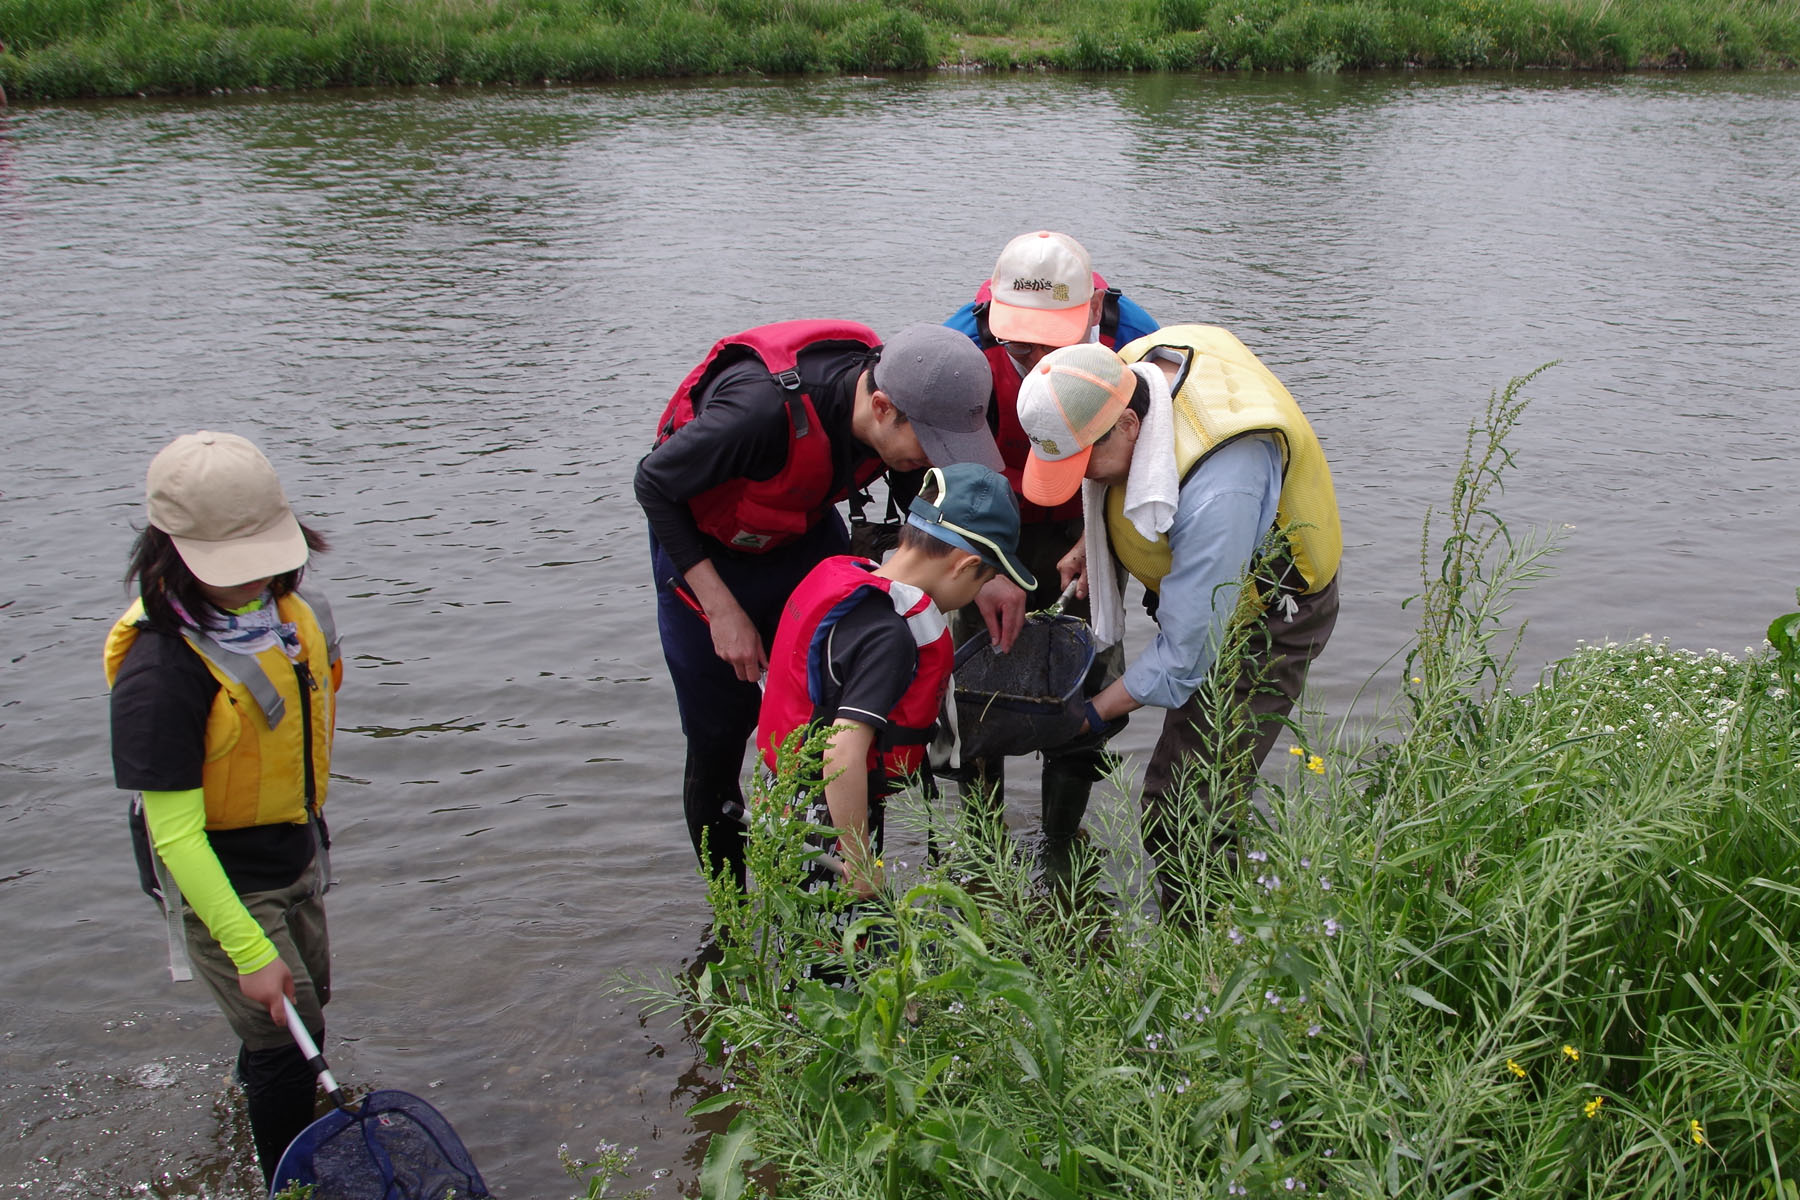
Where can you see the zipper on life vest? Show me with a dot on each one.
(304, 674)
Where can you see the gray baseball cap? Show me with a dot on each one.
(941, 382)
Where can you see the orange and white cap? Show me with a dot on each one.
(1040, 290)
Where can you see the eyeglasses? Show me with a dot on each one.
(1025, 349)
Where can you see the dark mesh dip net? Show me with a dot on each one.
(1020, 702)
(391, 1146)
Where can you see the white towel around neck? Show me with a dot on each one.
(1151, 488)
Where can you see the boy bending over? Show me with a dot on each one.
(865, 649)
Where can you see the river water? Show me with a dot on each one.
(451, 317)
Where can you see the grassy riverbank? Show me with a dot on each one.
(71, 48)
(1540, 943)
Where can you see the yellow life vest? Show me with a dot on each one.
(268, 736)
(1221, 391)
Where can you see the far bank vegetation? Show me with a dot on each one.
(57, 49)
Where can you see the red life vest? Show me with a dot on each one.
(755, 515)
(1015, 447)
(798, 661)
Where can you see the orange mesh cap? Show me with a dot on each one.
(1067, 403)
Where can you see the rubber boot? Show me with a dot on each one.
(279, 1093)
(712, 800)
(1065, 801)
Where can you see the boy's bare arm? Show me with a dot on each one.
(847, 798)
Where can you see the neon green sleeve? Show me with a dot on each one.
(177, 822)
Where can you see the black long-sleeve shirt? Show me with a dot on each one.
(160, 703)
(740, 431)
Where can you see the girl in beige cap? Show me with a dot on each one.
(224, 677)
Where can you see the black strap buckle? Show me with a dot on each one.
(788, 379)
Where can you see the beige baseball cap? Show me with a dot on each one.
(220, 502)
(1040, 289)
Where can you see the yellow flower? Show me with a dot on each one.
(1316, 765)
(1416, 679)
(1295, 750)
(1592, 1107)
(1515, 1068)
(1572, 1054)
(1698, 1133)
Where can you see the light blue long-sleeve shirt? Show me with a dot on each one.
(1223, 512)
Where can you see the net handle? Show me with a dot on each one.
(314, 1059)
(1068, 593)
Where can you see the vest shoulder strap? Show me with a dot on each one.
(321, 608)
(242, 669)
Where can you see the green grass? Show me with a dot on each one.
(1535, 942)
(72, 48)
